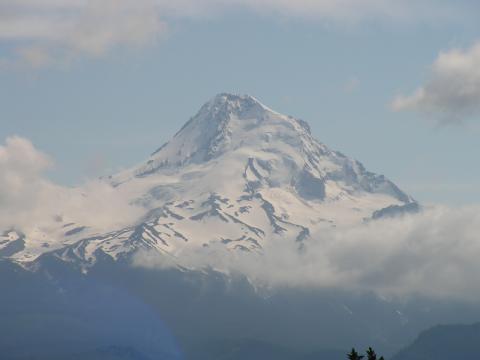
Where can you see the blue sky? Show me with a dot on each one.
(95, 108)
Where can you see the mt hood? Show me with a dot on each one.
(238, 175)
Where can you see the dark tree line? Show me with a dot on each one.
(371, 355)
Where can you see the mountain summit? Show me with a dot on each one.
(215, 130)
(239, 175)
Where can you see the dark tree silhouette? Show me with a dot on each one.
(371, 355)
(353, 355)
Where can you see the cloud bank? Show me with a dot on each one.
(433, 254)
(452, 93)
(48, 32)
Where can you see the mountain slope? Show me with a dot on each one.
(237, 174)
(459, 342)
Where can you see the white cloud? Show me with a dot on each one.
(28, 200)
(21, 182)
(452, 94)
(433, 254)
(51, 31)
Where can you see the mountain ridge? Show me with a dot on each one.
(237, 174)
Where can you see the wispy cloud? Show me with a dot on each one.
(452, 93)
(42, 33)
(357, 10)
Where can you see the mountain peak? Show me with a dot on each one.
(234, 99)
(239, 133)
(226, 121)
(226, 104)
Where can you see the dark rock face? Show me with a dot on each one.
(310, 187)
(12, 247)
(396, 210)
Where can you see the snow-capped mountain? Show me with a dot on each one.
(237, 174)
